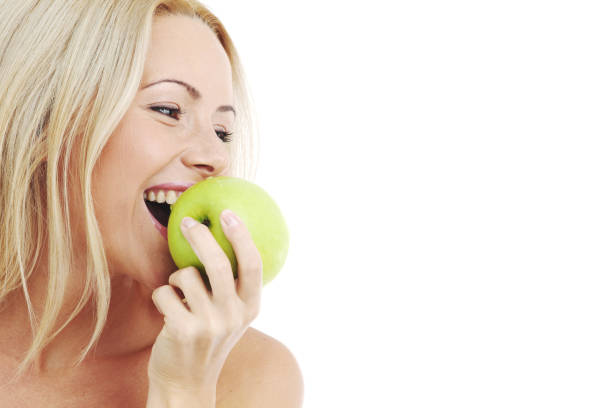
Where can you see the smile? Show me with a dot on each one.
(158, 200)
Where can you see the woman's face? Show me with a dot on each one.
(155, 144)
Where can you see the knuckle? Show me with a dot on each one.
(216, 328)
(189, 333)
(255, 256)
(174, 278)
(194, 330)
(182, 276)
(236, 324)
(251, 315)
(189, 275)
(234, 315)
(157, 292)
(220, 261)
(240, 233)
(198, 230)
(255, 266)
(253, 311)
(228, 306)
(248, 315)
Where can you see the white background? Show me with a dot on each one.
(445, 171)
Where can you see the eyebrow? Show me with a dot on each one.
(193, 92)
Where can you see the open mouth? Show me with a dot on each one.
(161, 211)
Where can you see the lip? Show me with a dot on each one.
(171, 186)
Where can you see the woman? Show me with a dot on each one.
(104, 101)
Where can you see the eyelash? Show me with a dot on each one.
(225, 136)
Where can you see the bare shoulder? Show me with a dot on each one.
(260, 372)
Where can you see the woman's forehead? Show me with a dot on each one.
(185, 48)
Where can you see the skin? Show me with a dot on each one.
(148, 148)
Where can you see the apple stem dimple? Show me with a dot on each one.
(206, 221)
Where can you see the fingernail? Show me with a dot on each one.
(229, 218)
(188, 222)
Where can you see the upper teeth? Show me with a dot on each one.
(163, 196)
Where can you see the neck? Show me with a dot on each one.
(131, 328)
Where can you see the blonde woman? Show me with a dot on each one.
(102, 102)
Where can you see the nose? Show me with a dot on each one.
(207, 155)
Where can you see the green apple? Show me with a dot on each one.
(205, 201)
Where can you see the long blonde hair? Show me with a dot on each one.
(69, 71)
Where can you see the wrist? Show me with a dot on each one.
(163, 396)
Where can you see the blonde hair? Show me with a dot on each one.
(69, 71)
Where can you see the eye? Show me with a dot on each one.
(224, 136)
(168, 111)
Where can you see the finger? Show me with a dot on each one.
(248, 258)
(216, 263)
(191, 284)
(169, 303)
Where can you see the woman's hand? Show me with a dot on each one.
(191, 349)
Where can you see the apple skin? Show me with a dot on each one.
(205, 201)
